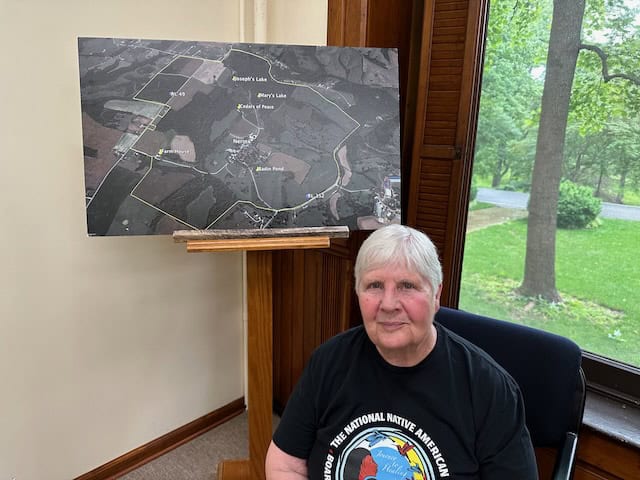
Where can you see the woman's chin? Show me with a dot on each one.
(393, 339)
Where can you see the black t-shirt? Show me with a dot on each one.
(457, 414)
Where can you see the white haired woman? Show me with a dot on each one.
(401, 396)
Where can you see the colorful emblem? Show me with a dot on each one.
(383, 453)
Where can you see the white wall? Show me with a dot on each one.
(105, 343)
(299, 22)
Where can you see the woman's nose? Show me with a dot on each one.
(389, 299)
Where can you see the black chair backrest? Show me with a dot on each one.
(545, 366)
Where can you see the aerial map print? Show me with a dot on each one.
(199, 135)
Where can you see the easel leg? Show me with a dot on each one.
(260, 369)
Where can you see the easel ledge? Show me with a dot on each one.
(259, 239)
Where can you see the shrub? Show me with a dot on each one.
(577, 207)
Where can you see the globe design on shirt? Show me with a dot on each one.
(383, 453)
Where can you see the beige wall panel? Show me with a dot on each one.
(105, 343)
(297, 22)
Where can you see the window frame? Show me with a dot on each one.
(612, 379)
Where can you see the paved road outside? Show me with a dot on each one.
(519, 200)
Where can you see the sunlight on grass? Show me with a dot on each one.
(598, 277)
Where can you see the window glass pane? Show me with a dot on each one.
(553, 237)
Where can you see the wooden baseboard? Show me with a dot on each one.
(160, 446)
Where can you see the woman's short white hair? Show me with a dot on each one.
(399, 245)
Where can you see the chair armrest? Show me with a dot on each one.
(566, 458)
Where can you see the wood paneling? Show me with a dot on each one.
(599, 457)
(312, 302)
(598, 453)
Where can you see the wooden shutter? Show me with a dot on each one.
(443, 139)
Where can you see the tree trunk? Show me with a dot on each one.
(601, 173)
(564, 46)
(498, 171)
(576, 170)
(497, 176)
(621, 185)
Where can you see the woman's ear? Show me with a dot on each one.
(436, 301)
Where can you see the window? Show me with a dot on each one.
(554, 221)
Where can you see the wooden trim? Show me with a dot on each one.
(411, 92)
(612, 379)
(336, 19)
(600, 453)
(347, 23)
(363, 36)
(471, 70)
(337, 231)
(161, 445)
(598, 458)
(421, 110)
(239, 245)
(266, 239)
(260, 357)
(465, 144)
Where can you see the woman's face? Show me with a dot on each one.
(397, 307)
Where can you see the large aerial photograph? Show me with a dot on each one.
(201, 135)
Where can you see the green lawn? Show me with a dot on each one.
(597, 274)
(475, 205)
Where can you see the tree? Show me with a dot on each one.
(564, 46)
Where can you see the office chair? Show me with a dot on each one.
(547, 367)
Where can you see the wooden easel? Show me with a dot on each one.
(258, 244)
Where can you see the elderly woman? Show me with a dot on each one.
(401, 397)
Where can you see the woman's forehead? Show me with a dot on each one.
(394, 267)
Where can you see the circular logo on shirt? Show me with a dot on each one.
(383, 446)
(383, 453)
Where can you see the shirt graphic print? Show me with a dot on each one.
(383, 446)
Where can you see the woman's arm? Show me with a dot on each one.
(282, 466)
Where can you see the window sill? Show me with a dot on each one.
(613, 418)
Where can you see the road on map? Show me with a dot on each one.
(502, 198)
